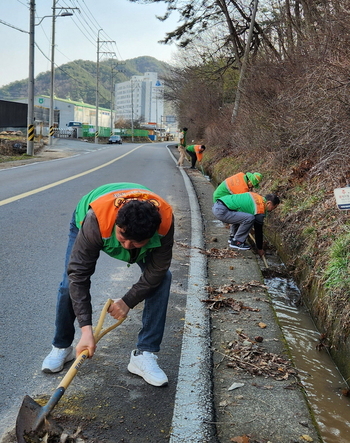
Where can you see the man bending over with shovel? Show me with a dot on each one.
(130, 223)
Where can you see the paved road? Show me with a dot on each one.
(36, 202)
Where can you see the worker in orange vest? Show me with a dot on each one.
(196, 153)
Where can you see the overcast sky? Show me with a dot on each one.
(133, 27)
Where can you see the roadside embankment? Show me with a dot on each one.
(309, 232)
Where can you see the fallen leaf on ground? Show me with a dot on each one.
(307, 437)
(249, 356)
(219, 253)
(235, 386)
(241, 439)
(225, 289)
(217, 302)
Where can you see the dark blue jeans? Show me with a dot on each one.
(153, 316)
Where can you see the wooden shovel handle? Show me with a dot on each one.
(263, 257)
(85, 354)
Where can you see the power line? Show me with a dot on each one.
(93, 21)
(88, 25)
(14, 27)
(67, 74)
(98, 26)
(23, 4)
(88, 33)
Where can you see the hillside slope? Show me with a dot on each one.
(77, 80)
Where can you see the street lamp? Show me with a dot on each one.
(65, 13)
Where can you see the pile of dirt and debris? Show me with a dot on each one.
(14, 144)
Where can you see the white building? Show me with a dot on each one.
(141, 98)
(70, 110)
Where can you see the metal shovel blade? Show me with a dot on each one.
(27, 418)
(32, 420)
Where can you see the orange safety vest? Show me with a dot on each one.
(106, 208)
(260, 203)
(236, 183)
(198, 153)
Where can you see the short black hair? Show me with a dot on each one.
(139, 219)
(203, 147)
(273, 198)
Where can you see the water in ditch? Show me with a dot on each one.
(319, 375)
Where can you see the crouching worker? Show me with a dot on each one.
(130, 223)
(244, 211)
(237, 184)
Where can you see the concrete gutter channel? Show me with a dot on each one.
(260, 409)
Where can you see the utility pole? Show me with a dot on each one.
(52, 76)
(157, 92)
(30, 115)
(132, 110)
(112, 96)
(97, 84)
(112, 93)
(114, 68)
(98, 79)
(244, 64)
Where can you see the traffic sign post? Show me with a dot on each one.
(342, 197)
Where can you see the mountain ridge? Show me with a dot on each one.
(76, 80)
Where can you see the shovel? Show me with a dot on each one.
(33, 418)
(263, 257)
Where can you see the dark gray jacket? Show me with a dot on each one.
(82, 264)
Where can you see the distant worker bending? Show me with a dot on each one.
(196, 153)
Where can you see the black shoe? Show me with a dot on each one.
(230, 238)
(239, 245)
(192, 167)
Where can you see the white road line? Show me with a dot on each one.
(73, 177)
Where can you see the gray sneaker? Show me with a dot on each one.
(239, 245)
(145, 365)
(55, 361)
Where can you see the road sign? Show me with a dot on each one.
(342, 197)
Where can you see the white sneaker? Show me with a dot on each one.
(55, 361)
(145, 365)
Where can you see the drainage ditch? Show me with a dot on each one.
(324, 386)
